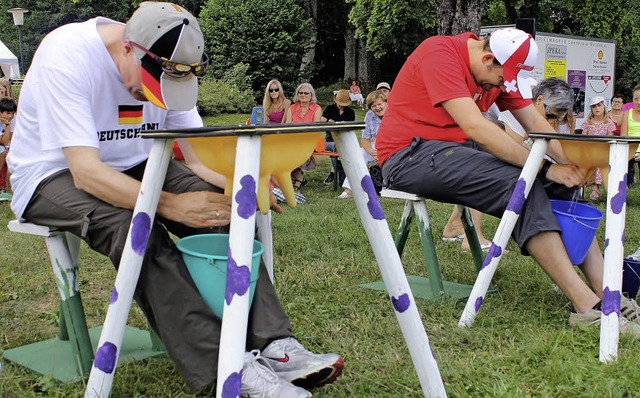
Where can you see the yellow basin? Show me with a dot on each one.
(280, 154)
(589, 156)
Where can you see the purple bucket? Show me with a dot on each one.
(630, 277)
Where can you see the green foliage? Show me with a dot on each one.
(270, 36)
(229, 94)
(391, 26)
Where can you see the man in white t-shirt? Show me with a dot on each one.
(76, 162)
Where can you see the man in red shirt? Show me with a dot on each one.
(435, 142)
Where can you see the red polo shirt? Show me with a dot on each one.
(437, 71)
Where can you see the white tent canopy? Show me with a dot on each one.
(9, 63)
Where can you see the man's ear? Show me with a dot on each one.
(487, 58)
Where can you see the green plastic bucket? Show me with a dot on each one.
(206, 259)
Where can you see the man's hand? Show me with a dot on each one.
(566, 174)
(198, 209)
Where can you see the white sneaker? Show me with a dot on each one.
(344, 195)
(292, 362)
(259, 380)
(635, 256)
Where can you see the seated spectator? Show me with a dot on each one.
(8, 109)
(340, 111)
(384, 87)
(616, 112)
(553, 98)
(355, 94)
(275, 103)
(305, 109)
(377, 105)
(435, 142)
(597, 123)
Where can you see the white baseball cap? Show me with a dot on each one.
(596, 100)
(383, 85)
(516, 51)
(168, 31)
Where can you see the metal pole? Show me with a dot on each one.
(22, 71)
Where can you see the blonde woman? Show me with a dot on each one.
(275, 103)
(305, 109)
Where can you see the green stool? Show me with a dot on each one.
(70, 356)
(432, 288)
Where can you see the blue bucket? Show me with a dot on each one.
(630, 277)
(579, 223)
(206, 259)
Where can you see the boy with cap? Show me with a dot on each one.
(434, 142)
(77, 160)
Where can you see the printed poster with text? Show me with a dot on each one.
(555, 61)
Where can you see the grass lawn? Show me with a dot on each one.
(519, 346)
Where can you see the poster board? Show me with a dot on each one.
(587, 64)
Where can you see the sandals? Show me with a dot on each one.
(594, 196)
(297, 184)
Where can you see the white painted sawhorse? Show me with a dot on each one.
(614, 232)
(234, 323)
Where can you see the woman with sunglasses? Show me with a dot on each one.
(275, 103)
(553, 98)
(598, 123)
(305, 109)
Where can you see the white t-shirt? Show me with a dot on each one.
(73, 95)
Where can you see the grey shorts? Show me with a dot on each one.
(463, 173)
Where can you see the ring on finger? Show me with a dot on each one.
(217, 213)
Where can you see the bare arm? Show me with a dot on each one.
(366, 145)
(495, 141)
(317, 117)
(196, 209)
(287, 116)
(624, 127)
(194, 164)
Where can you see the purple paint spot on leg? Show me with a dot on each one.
(238, 279)
(606, 243)
(622, 238)
(618, 200)
(232, 386)
(494, 252)
(401, 303)
(140, 229)
(517, 197)
(246, 197)
(479, 301)
(106, 357)
(375, 209)
(610, 301)
(114, 295)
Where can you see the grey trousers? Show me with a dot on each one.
(462, 173)
(165, 291)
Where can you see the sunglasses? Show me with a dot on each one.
(304, 92)
(176, 69)
(274, 90)
(562, 113)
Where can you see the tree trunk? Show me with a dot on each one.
(367, 65)
(351, 56)
(457, 16)
(307, 59)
